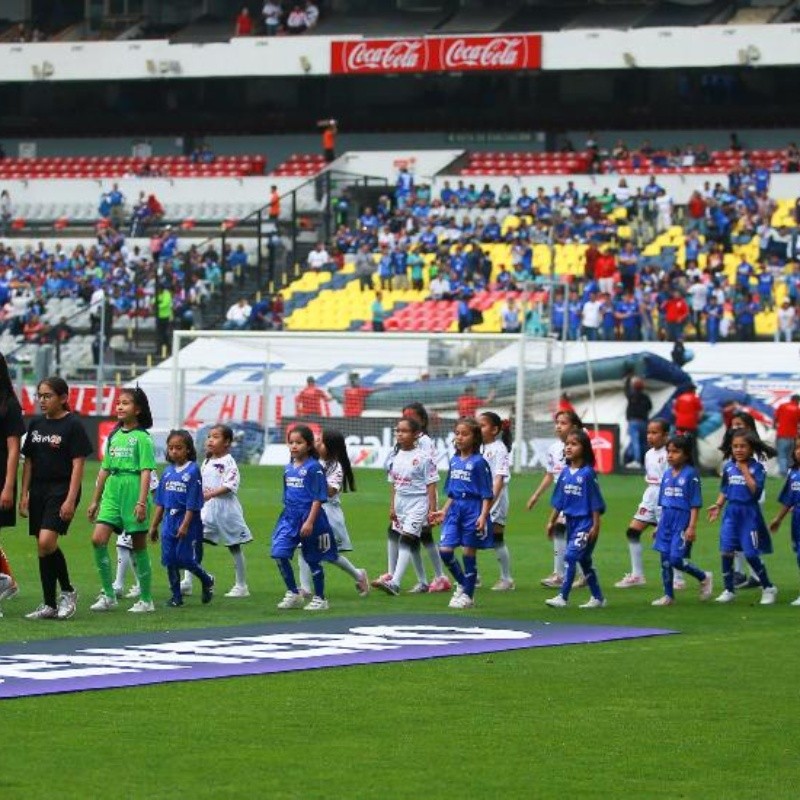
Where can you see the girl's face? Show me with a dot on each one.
(737, 423)
(51, 403)
(562, 425)
(405, 435)
(489, 432)
(321, 449)
(573, 450)
(463, 439)
(126, 409)
(675, 456)
(177, 450)
(741, 450)
(216, 444)
(656, 436)
(298, 446)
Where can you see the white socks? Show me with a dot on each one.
(637, 562)
(436, 559)
(504, 559)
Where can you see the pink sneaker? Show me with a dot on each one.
(440, 585)
(385, 578)
(630, 580)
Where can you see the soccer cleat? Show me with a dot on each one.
(666, 600)
(504, 585)
(387, 586)
(142, 607)
(678, 584)
(557, 602)
(707, 586)
(238, 591)
(420, 588)
(317, 604)
(134, 592)
(629, 580)
(795, 602)
(291, 600)
(768, 596)
(186, 588)
(8, 587)
(67, 605)
(43, 612)
(440, 584)
(208, 591)
(174, 602)
(725, 597)
(386, 577)
(362, 584)
(553, 581)
(103, 603)
(594, 602)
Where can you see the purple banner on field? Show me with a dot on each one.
(110, 662)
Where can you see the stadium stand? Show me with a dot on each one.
(300, 165)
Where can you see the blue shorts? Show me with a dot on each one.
(458, 528)
(578, 545)
(319, 546)
(669, 534)
(743, 529)
(180, 551)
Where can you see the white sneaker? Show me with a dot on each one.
(557, 602)
(420, 588)
(186, 588)
(465, 601)
(553, 581)
(135, 591)
(504, 585)
(795, 602)
(629, 580)
(455, 600)
(291, 600)
(43, 612)
(67, 605)
(142, 607)
(103, 603)
(725, 597)
(317, 604)
(8, 587)
(238, 591)
(678, 584)
(594, 602)
(362, 584)
(768, 596)
(707, 586)
(666, 600)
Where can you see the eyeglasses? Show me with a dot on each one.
(46, 396)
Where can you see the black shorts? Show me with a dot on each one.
(8, 516)
(44, 507)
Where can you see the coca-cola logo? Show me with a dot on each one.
(397, 56)
(495, 53)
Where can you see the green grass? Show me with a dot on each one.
(706, 714)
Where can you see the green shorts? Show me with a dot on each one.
(118, 504)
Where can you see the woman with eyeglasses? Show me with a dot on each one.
(55, 450)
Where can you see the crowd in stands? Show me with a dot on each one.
(415, 239)
(278, 18)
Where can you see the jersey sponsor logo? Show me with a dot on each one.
(35, 668)
(53, 439)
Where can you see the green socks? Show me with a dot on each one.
(103, 563)
(141, 565)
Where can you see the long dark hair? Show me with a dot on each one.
(685, 443)
(421, 412)
(144, 417)
(576, 421)
(59, 387)
(586, 444)
(475, 430)
(503, 426)
(764, 450)
(186, 437)
(337, 451)
(6, 386)
(761, 450)
(307, 435)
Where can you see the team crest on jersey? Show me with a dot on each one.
(579, 479)
(681, 481)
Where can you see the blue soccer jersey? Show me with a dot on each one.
(469, 483)
(678, 495)
(181, 490)
(469, 477)
(743, 527)
(790, 497)
(577, 495)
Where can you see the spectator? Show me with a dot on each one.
(272, 12)
(378, 313)
(787, 420)
(365, 268)
(355, 396)
(311, 15)
(312, 401)
(787, 317)
(296, 20)
(329, 131)
(628, 261)
(238, 316)
(440, 288)
(591, 317)
(274, 203)
(468, 403)
(637, 413)
(510, 318)
(244, 23)
(6, 212)
(260, 315)
(318, 258)
(33, 328)
(676, 312)
(164, 318)
(62, 332)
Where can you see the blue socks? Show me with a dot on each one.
(666, 578)
(727, 573)
(450, 561)
(318, 577)
(591, 579)
(287, 573)
(569, 577)
(470, 574)
(760, 570)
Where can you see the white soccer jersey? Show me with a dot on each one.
(411, 472)
(555, 459)
(499, 459)
(655, 465)
(223, 519)
(219, 472)
(334, 476)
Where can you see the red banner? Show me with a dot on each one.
(518, 51)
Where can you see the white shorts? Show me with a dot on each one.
(335, 515)
(223, 522)
(499, 511)
(412, 514)
(649, 510)
(125, 541)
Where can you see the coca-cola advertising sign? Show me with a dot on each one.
(517, 51)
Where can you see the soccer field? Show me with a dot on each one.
(708, 713)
